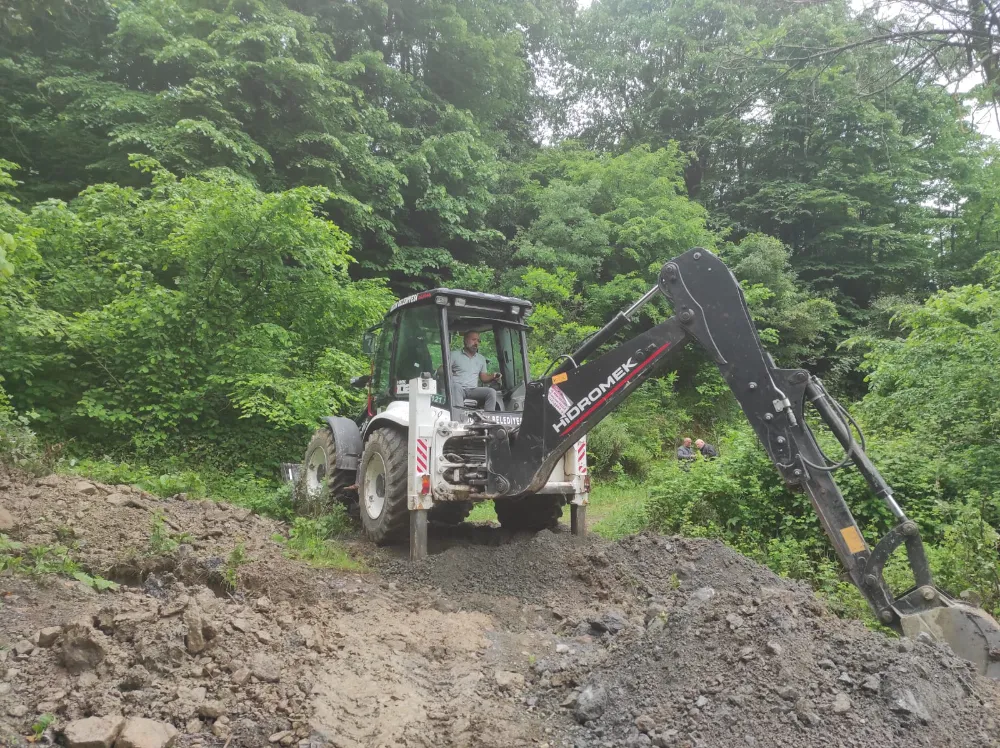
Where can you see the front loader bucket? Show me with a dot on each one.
(971, 632)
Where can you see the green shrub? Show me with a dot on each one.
(640, 432)
(314, 540)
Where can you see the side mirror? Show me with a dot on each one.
(361, 383)
(368, 341)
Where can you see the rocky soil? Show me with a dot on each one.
(493, 641)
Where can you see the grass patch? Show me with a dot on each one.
(161, 540)
(41, 725)
(237, 558)
(242, 488)
(616, 509)
(42, 560)
(314, 541)
(483, 512)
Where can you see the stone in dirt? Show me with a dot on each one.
(93, 732)
(612, 622)
(702, 595)
(23, 647)
(591, 703)
(7, 522)
(903, 701)
(48, 636)
(841, 704)
(146, 733)
(81, 649)
(265, 668)
(508, 680)
(85, 487)
(645, 723)
(136, 678)
(173, 607)
(118, 499)
(872, 683)
(241, 676)
(211, 709)
(195, 638)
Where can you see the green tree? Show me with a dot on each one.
(199, 312)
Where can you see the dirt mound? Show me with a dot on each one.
(243, 651)
(727, 653)
(676, 641)
(497, 640)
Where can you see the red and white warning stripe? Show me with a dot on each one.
(581, 456)
(423, 453)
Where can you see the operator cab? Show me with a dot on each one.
(422, 333)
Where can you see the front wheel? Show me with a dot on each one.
(530, 514)
(382, 487)
(321, 483)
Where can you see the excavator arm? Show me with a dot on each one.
(710, 310)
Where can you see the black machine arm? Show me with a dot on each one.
(709, 308)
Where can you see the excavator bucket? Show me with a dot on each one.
(971, 632)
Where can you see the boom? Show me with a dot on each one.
(711, 311)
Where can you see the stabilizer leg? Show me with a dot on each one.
(418, 534)
(578, 519)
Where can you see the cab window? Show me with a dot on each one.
(419, 346)
(383, 349)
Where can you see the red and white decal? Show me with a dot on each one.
(581, 456)
(423, 453)
(558, 400)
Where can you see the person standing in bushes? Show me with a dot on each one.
(685, 454)
(707, 450)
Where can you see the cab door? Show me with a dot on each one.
(419, 349)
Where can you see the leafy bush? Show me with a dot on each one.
(201, 316)
(639, 433)
(18, 443)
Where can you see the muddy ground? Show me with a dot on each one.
(496, 640)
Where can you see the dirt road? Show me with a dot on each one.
(493, 641)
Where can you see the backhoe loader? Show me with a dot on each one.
(422, 451)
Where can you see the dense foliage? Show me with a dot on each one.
(201, 307)
(204, 202)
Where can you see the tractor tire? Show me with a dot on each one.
(321, 484)
(450, 512)
(530, 514)
(382, 487)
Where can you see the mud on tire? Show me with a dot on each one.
(321, 484)
(382, 487)
(532, 513)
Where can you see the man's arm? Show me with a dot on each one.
(484, 376)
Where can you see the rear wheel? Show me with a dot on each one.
(320, 483)
(382, 487)
(531, 514)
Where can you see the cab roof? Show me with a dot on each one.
(474, 301)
